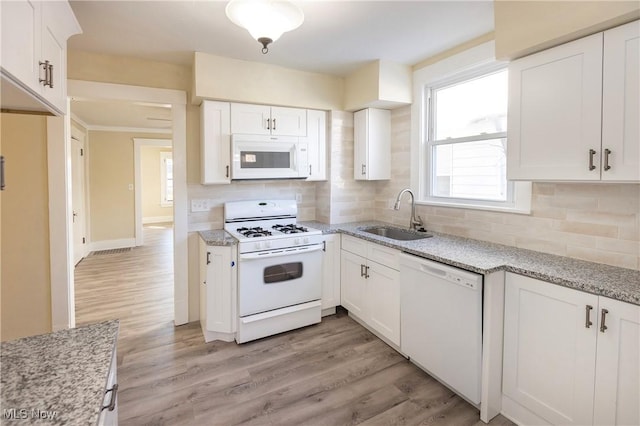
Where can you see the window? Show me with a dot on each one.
(463, 139)
(166, 179)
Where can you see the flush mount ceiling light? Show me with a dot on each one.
(265, 20)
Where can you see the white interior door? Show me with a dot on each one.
(77, 195)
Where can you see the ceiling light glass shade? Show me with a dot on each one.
(265, 19)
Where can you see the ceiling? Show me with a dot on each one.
(336, 37)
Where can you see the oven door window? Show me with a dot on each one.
(265, 159)
(282, 272)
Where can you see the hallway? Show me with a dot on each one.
(134, 285)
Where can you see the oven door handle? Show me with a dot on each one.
(283, 252)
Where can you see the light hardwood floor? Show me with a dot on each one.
(333, 373)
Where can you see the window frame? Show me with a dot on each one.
(464, 66)
(164, 155)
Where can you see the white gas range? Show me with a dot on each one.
(279, 267)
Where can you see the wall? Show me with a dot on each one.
(25, 283)
(589, 221)
(111, 171)
(217, 77)
(523, 27)
(151, 196)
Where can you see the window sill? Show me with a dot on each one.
(166, 204)
(517, 210)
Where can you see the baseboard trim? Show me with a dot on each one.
(111, 244)
(157, 219)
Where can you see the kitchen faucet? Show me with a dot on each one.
(414, 223)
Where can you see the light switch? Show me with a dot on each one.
(130, 187)
(199, 205)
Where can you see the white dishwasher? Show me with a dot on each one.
(441, 322)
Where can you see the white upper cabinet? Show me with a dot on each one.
(267, 120)
(215, 142)
(372, 144)
(620, 100)
(570, 121)
(34, 58)
(316, 140)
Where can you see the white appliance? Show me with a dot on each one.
(441, 322)
(268, 157)
(279, 268)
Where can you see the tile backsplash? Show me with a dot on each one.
(598, 222)
(591, 221)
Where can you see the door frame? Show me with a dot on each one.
(62, 278)
(81, 137)
(138, 143)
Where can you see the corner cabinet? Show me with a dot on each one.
(34, 54)
(573, 110)
(215, 142)
(370, 288)
(316, 140)
(218, 289)
(268, 120)
(569, 357)
(372, 144)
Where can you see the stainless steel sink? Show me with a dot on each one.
(396, 233)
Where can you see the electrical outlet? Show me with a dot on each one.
(199, 205)
(298, 198)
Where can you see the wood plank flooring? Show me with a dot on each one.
(333, 373)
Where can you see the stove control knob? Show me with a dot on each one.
(267, 244)
(296, 241)
(305, 240)
(258, 246)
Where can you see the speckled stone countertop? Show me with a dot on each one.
(61, 374)
(484, 258)
(217, 237)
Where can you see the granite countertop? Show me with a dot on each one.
(217, 237)
(484, 258)
(59, 376)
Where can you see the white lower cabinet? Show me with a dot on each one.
(371, 290)
(218, 292)
(331, 272)
(109, 412)
(569, 357)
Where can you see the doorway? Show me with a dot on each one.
(78, 193)
(177, 101)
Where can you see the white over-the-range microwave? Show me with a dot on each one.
(268, 157)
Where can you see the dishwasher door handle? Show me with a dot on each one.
(433, 271)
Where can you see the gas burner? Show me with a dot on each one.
(290, 229)
(253, 232)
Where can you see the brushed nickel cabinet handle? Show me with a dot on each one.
(208, 257)
(364, 169)
(51, 76)
(606, 159)
(274, 124)
(227, 175)
(366, 272)
(45, 80)
(361, 270)
(603, 317)
(114, 394)
(268, 124)
(587, 321)
(310, 170)
(592, 152)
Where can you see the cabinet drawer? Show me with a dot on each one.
(384, 255)
(354, 245)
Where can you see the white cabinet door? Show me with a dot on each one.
(372, 144)
(620, 103)
(220, 295)
(353, 284)
(555, 100)
(215, 142)
(316, 140)
(21, 41)
(383, 294)
(54, 50)
(331, 272)
(288, 121)
(617, 388)
(549, 352)
(250, 119)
